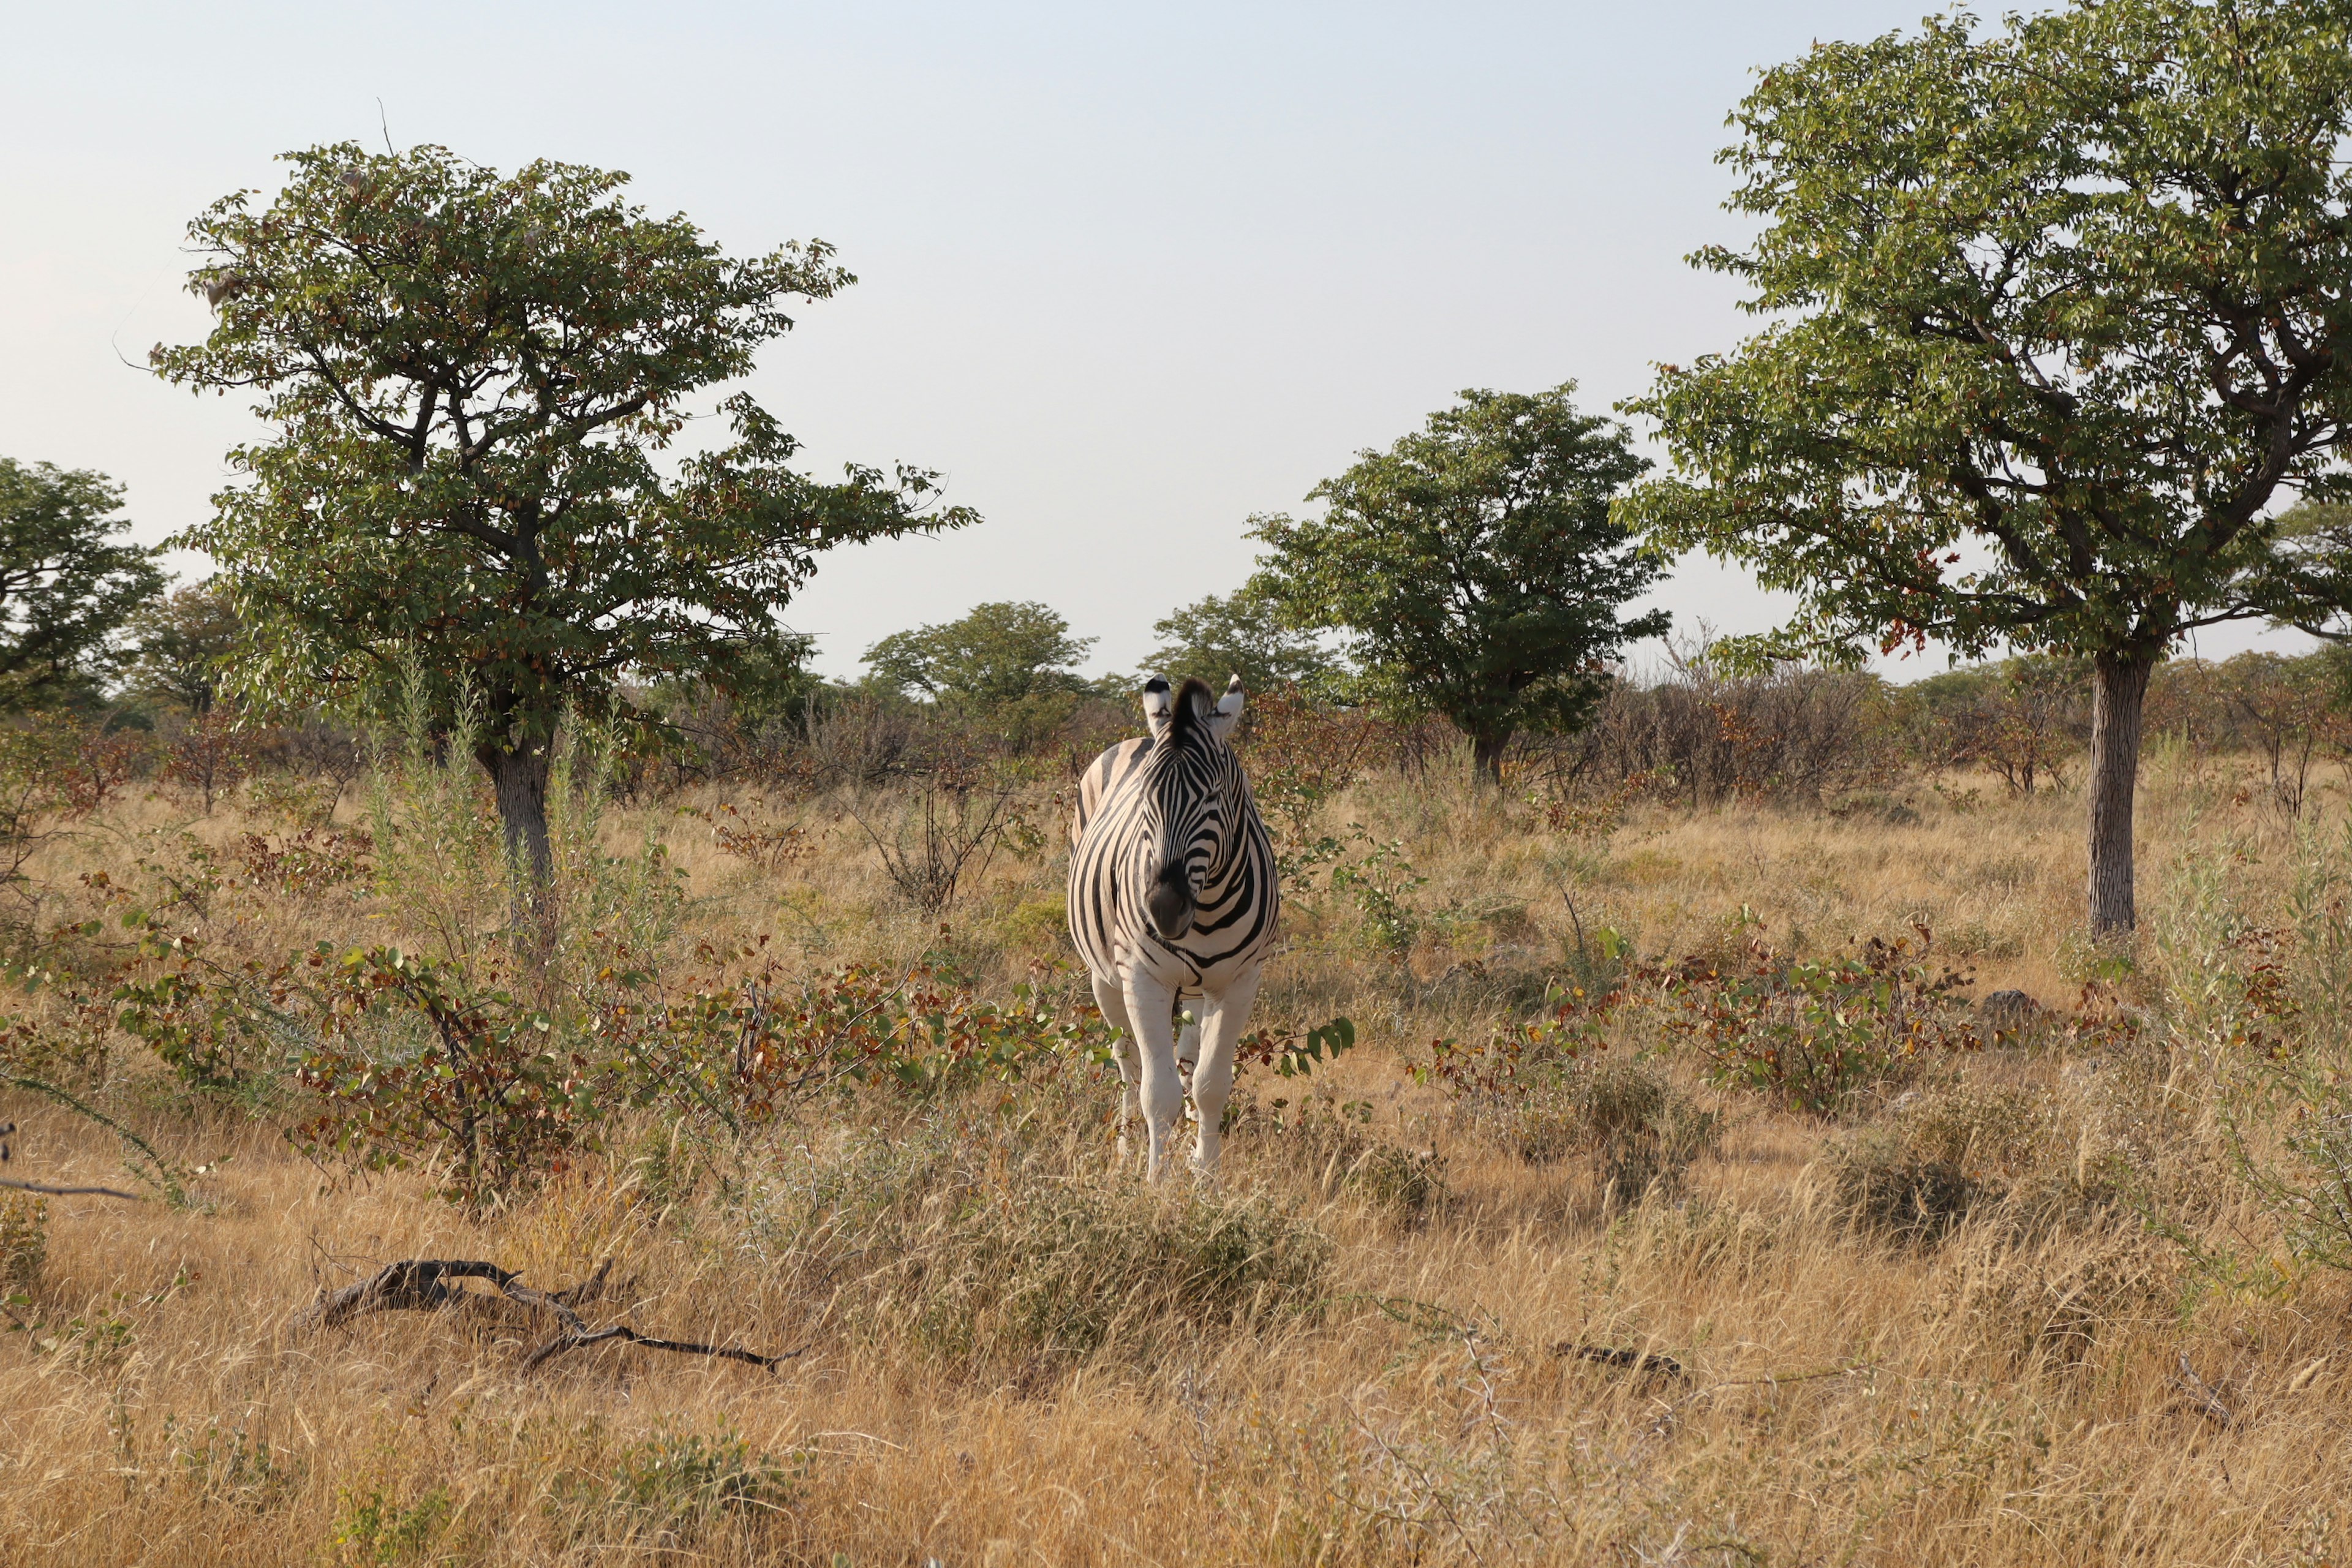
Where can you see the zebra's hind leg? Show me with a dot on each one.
(1112, 1001)
(1149, 1003)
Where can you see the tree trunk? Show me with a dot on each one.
(2118, 694)
(1487, 756)
(520, 780)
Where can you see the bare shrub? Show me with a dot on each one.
(940, 837)
(1706, 736)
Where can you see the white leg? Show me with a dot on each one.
(1113, 1004)
(1212, 1080)
(1148, 1004)
(1187, 1045)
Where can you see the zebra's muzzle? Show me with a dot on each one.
(1170, 905)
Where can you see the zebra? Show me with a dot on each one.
(1173, 893)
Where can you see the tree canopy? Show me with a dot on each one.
(1241, 633)
(472, 378)
(1001, 653)
(181, 646)
(1473, 566)
(2058, 319)
(67, 583)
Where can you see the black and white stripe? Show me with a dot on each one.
(1173, 894)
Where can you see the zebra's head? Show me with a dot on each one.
(1185, 785)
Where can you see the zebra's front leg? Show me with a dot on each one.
(1212, 1078)
(1147, 1006)
(1112, 1002)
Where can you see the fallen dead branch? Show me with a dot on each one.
(432, 1285)
(1632, 1361)
(50, 1192)
(627, 1335)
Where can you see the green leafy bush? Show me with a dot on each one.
(1812, 1032)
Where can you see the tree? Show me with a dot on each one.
(181, 644)
(1000, 655)
(1473, 566)
(2061, 314)
(1240, 633)
(67, 584)
(471, 376)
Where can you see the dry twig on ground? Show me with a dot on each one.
(427, 1285)
(49, 1192)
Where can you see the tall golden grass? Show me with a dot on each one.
(1011, 1353)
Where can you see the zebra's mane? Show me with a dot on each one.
(1193, 701)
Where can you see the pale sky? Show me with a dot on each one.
(1128, 273)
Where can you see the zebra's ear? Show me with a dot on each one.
(1228, 711)
(1158, 705)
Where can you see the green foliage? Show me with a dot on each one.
(1241, 633)
(214, 1033)
(372, 1527)
(66, 585)
(2058, 312)
(471, 378)
(1295, 1055)
(1006, 664)
(674, 1487)
(421, 1058)
(1382, 882)
(1812, 1032)
(749, 1046)
(180, 646)
(1473, 566)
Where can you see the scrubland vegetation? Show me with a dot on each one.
(503, 1064)
(1680, 1200)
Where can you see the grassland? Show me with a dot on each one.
(2080, 1335)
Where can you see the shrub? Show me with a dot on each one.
(1331, 1143)
(24, 1243)
(418, 1060)
(1949, 1153)
(1884, 1183)
(1813, 1033)
(983, 1246)
(372, 1527)
(673, 1489)
(1626, 1116)
(2053, 1298)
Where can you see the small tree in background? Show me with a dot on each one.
(1241, 633)
(67, 584)
(1474, 567)
(2061, 314)
(470, 377)
(181, 646)
(1005, 663)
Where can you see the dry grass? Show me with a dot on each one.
(1013, 1355)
